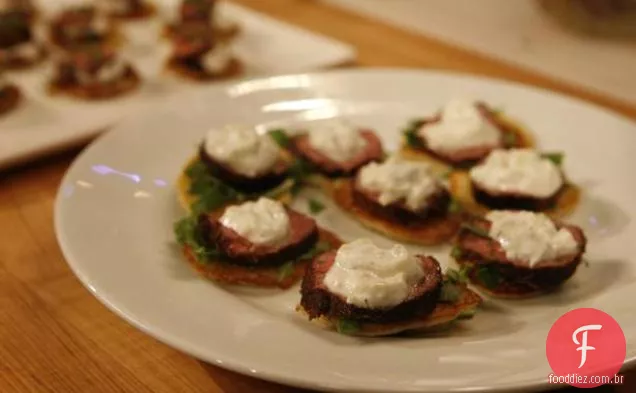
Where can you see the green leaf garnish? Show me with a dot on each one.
(454, 206)
(475, 230)
(456, 252)
(457, 276)
(450, 292)
(489, 277)
(315, 206)
(556, 158)
(410, 133)
(298, 172)
(509, 139)
(210, 192)
(196, 169)
(187, 234)
(467, 314)
(345, 326)
(586, 263)
(318, 249)
(286, 271)
(280, 137)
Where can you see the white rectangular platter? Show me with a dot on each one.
(45, 124)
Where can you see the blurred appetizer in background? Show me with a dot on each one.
(461, 134)
(81, 25)
(518, 253)
(365, 290)
(234, 164)
(198, 56)
(335, 149)
(260, 243)
(203, 13)
(93, 73)
(9, 96)
(519, 179)
(401, 199)
(25, 7)
(126, 9)
(19, 46)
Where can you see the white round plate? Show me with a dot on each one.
(116, 206)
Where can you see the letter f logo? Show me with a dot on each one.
(584, 347)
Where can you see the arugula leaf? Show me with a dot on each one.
(410, 133)
(456, 252)
(346, 326)
(556, 158)
(489, 277)
(457, 276)
(475, 230)
(286, 270)
(187, 234)
(211, 193)
(454, 206)
(299, 171)
(467, 314)
(315, 206)
(510, 139)
(280, 137)
(196, 169)
(318, 249)
(450, 293)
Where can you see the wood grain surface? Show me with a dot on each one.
(56, 337)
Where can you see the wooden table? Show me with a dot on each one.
(55, 337)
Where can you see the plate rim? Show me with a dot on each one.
(279, 377)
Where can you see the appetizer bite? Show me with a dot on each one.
(461, 134)
(518, 253)
(335, 149)
(235, 164)
(262, 243)
(18, 46)
(203, 13)
(81, 26)
(401, 199)
(93, 73)
(198, 56)
(9, 96)
(126, 9)
(364, 290)
(518, 179)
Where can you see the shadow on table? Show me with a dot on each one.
(230, 382)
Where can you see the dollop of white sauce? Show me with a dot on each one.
(217, 59)
(521, 171)
(264, 222)
(398, 179)
(373, 277)
(461, 126)
(530, 237)
(109, 72)
(243, 149)
(337, 139)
